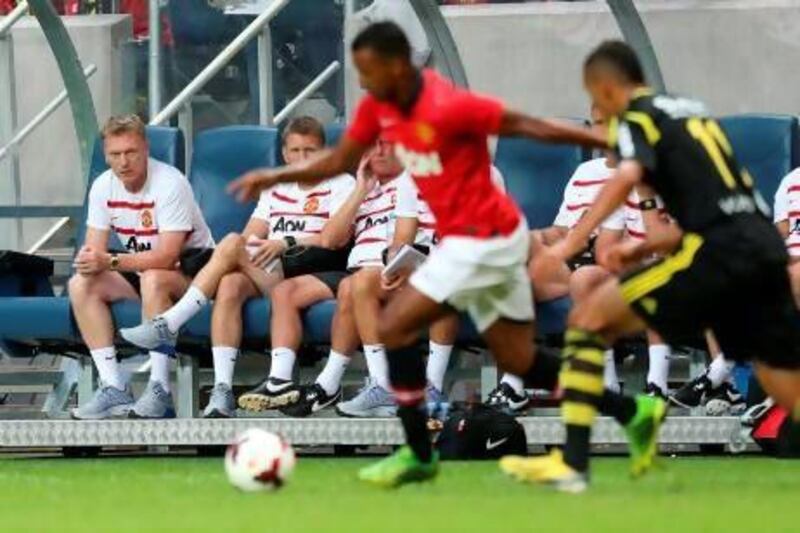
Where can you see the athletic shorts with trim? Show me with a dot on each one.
(487, 278)
(731, 279)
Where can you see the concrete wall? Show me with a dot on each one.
(49, 162)
(736, 55)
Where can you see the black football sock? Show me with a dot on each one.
(407, 377)
(622, 408)
(543, 373)
(582, 382)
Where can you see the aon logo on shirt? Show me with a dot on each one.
(419, 165)
(134, 245)
(289, 226)
(795, 226)
(370, 222)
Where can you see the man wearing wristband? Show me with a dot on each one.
(150, 208)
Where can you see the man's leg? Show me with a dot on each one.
(374, 400)
(407, 313)
(159, 289)
(90, 297)
(326, 389)
(226, 337)
(367, 299)
(289, 298)
(794, 279)
(581, 284)
(166, 323)
(659, 353)
(443, 335)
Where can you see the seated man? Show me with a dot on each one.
(150, 207)
(787, 219)
(249, 265)
(364, 217)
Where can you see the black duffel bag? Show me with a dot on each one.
(480, 432)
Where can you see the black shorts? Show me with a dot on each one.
(732, 280)
(585, 258)
(331, 279)
(135, 281)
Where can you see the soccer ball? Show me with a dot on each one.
(259, 461)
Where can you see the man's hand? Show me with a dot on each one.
(365, 179)
(90, 262)
(566, 248)
(391, 283)
(249, 186)
(620, 257)
(267, 250)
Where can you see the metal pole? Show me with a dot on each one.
(635, 33)
(266, 106)
(211, 70)
(12, 18)
(48, 110)
(315, 84)
(154, 62)
(351, 92)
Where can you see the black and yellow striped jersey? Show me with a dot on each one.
(687, 159)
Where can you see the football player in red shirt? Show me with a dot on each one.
(440, 132)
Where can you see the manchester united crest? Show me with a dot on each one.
(311, 205)
(425, 132)
(147, 219)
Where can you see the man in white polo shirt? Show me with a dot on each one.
(150, 207)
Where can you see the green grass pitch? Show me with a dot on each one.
(192, 494)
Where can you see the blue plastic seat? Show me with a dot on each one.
(767, 145)
(536, 174)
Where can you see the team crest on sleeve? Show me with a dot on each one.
(311, 205)
(147, 219)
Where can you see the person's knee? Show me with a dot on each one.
(233, 290)
(232, 242)
(588, 318)
(283, 294)
(584, 280)
(366, 283)
(79, 287)
(390, 334)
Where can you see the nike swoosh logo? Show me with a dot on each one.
(492, 445)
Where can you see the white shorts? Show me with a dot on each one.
(487, 278)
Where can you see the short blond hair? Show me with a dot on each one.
(119, 124)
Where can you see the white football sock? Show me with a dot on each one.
(438, 359)
(191, 303)
(658, 370)
(610, 379)
(720, 370)
(159, 369)
(105, 360)
(224, 363)
(331, 376)
(515, 382)
(282, 365)
(377, 364)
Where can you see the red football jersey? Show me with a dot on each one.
(442, 142)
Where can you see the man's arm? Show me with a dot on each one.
(257, 227)
(329, 163)
(611, 196)
(515, 124)
(339, 228)
(405, 232)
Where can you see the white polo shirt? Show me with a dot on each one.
(166, 203)
(787, 207)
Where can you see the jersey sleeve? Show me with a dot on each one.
(340, 191)
(631, 144)
(175, 213)
(365, 127)
(407, 205)
(262, 210)
(98, 215)
(475, 114)
(781, 208)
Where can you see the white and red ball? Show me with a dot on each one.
(259, 461)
